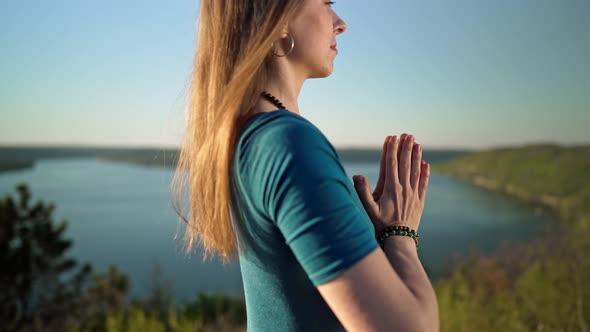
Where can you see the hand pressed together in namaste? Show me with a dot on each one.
(400, 192)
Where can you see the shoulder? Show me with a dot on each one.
(277, 132)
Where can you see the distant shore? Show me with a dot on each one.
(551, 176)
(14, 158)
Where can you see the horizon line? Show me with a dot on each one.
(342, 147)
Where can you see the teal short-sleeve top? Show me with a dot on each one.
(298, 222)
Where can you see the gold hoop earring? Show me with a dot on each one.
(290, 50)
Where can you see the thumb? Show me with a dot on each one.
(363, 190)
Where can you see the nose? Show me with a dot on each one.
(339, 26)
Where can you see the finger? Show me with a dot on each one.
(424, 176)
(416, 158)
(404, 162)
(379, 187)
(391, 168)
(363, 190)
(402, 139)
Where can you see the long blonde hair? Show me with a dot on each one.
(231, 65)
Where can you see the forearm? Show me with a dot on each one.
(403, 256)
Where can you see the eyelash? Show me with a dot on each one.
(330, 3)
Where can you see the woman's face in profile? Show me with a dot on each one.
(314, 29)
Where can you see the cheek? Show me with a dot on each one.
(315, 36)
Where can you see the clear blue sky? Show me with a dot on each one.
(456, 74)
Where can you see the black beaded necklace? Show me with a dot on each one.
(273, 100)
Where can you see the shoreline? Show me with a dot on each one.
(539, 204)
(567, 200)
(15, 158)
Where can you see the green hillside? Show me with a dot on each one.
(538, 285)
(552, 175)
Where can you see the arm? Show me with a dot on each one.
(403, 257)
(383, 292)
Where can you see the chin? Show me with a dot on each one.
(323, 72)
(328, 72)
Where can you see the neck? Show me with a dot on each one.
(285, 85)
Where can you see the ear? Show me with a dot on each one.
(285, 30)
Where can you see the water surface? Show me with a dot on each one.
(120, 213)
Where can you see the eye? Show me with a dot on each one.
(330, 3)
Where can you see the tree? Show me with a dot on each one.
(33, 265)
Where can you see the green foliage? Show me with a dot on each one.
(211, 308)
(549, 293)
(32, 256)
(138, 319)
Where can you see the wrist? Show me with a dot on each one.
(396, 231)
(400, 243)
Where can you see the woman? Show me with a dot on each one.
(267, 186)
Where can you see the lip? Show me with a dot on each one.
(333, 47)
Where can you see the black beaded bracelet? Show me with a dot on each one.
(397, 230)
